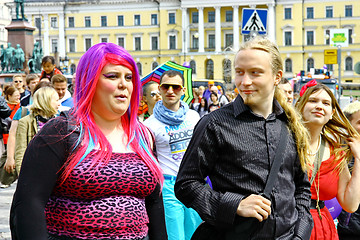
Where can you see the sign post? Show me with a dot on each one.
(254, 20)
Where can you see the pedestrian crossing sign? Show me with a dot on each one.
(254, 20)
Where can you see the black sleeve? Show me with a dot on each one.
(42, 161)
(155, 210)
(5, 110)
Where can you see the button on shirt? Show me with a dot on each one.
(235, 148)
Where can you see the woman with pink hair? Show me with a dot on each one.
(91, 173)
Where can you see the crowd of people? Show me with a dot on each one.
(252, 163)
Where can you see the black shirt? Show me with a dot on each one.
(235, 148)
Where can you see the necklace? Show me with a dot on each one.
(317, 189)
(317, 149)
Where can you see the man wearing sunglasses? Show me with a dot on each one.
(172, 124)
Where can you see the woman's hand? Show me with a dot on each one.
(9, 164)
(354, 144)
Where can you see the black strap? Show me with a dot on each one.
(277, 161)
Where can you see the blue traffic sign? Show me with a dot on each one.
(254, 20)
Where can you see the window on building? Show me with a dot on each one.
(72, 68)
(88, 21)
(104, 39)
(229, 16)
(310, 38)
(195, 42)
(139, 66)
(229, 39)
(195, 17)
(330, 67)
(88, 43)
(53, 22)
(71, 45)
(348, 11)
(71, 22)
(121, 41)
(103, 21)
(154, 43)
(209, 69)
(348, 64)
(288, 65)
(172, 42)
(137, 43)
(193, 66)
(211, 16)
(211, 40)
(154, 19)
(310, 64)
(287, 13)
(38, 22)
(137, 20)
(154, 65)
(172, 18)
(227, 70)
(310, 13)
(329, 12)
(327, 36)
(350, 36)
(287, 38)
(120, 20)
(54, 45)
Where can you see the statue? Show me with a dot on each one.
(20, 4)
(19, 58)
(35, 61)
(2, 56)
(9, 58)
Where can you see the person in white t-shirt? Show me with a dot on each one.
(172, 124)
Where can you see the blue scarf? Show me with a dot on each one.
(168, 116)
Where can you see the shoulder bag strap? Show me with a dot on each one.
(277, 161)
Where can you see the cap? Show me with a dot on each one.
(218, 87)
(211, 82)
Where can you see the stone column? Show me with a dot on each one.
(236, 35)
(201, 29)
(217, 30)
(46, 44)
(62, 51)
(271, 24)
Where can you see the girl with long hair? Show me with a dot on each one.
(92, 171)
(332, 142)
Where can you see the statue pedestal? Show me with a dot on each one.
(21, 32)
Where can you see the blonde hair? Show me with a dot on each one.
(42, 102)
(336, 130)
(351, 109)
(295, 123)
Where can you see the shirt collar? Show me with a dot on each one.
(240, 108)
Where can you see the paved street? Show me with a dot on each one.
(6, 195)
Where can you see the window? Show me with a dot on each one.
(229, 38)
(72, 68)
(38, 22)
(287, 38)
(54, 45)
(350, 36)
(330, 67)
(310, 64)
(103, 21)
(209, 69)
(154, 20)
(139, 66)
(229, 16)
(121, 41)
(193, 66)
(195, 17)
(171, 18)
(329, 11)
(211, 16)
(348, 10)
(348, 64)
(154, 65)
(88, 21)
(288, 65)
(104, 39)
(53, 22)
(154, 43)
(327, 36)
(211, 40)
(310, 38)
(309, 12)
(195, 42)
(227, 70)
(137, 20)
(172, 42)
(287, 13)
(71, 45)
(87, 43)
(120, 20)
(71, 22)
(137, 43)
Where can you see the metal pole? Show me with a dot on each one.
(339, 65)
(184, 32)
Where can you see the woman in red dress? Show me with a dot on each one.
(329, 175)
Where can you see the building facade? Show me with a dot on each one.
(5, 19)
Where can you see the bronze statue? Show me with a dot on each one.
(9, 58)
(2, 56)
(20, 4)
(19, 59)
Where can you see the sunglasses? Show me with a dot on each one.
(175, 87)
(17, 81)
(154, 93)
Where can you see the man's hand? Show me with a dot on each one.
(9, 164)
(254, 206)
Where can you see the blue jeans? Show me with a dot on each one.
(181, 222)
